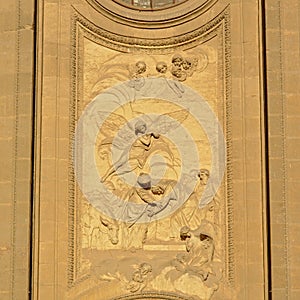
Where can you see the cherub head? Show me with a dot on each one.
(145, 268)
(144, 181)
(140, 67)
(203, 176)
(140, 127)
(187, 63)
(178, 73)
(185, 233)
(177, 60)
(161, 67)
(206, 240)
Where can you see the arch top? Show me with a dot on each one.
(151, 13)
(150, 4)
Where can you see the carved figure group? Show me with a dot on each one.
(193, 272)
(180, 67)
(137, 233)
(98, 231)
(146, 143)
(190, 214)
(200, 248)
(183, 67)
(140, 278)
(175, 86)
(143, 144)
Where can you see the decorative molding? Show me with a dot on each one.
(160, 46)
(226, 48)
(145, 18)
(140, 8)
(283, 126)
(152, 295)
(15, 148)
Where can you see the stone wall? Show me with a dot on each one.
(282, 57)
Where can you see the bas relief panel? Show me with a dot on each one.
(149, 160)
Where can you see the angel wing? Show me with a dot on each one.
(163, 125)
(116, 129)
(113, 124)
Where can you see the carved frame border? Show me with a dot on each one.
(81, 27)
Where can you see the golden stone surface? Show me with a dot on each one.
(113, 122)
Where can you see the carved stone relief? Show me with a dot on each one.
(149, 157)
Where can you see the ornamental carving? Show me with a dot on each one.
(149, 159)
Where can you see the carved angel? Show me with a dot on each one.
(137, 81)
(138, 142)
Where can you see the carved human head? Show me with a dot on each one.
(187, 63)
(185, 232)
(203, 176)
(140, 67)
(178, 73)
(206, 240)
(177, 60)
(161, 67)
(144, 181)
(145, 268)
(140, 127)
(206, 231)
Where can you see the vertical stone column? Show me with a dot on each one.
(283, 76)
(16, 72)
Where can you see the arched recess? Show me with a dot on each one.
(165, 17)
